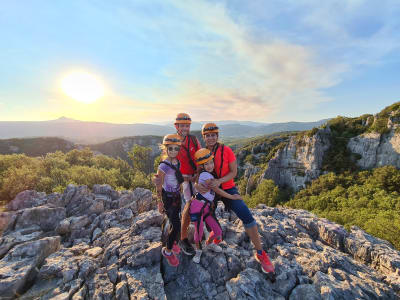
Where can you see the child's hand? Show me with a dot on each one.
(209, 182)
(237, 197)
(160, 207)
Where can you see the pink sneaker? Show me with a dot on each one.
(176, 249)
(171, 259)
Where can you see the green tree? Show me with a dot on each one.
(141, 159)
(82, 157)
(266, 193)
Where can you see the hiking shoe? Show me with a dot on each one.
(186, 247)
(171, 258)
(196, 258)
(210, 238)
(266, 265)
(214, 247)
(176, 249)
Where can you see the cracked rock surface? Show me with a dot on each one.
(104, 244)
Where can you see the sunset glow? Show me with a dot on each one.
(82, 86)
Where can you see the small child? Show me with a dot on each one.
(169, 192)
(200, 209)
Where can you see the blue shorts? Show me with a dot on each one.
(239, 208)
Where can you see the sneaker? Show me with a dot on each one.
(196, 258)
(266, 265)
(186, 247)
(214, 247)
(176, 249)
(171, 258)
(210, 238)
(217, 241)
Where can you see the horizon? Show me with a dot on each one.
(164, 123)
(137, 62)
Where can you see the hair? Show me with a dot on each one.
(164, 153)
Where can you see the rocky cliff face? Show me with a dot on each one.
(300, 161)
(106, 245)
(377, 150)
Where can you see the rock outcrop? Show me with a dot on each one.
(300, 161)
(377, 150)
(113, 252)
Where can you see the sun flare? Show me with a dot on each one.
(82, 86)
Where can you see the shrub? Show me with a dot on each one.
(266, 193)
(55, 171)
(368, 199)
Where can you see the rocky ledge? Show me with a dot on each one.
(104, 244)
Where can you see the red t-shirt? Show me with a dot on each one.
(228, 157)
(188, 143)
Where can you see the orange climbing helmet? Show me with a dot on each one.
(183, 118)
(172, 139)
(202, 156)
(209, 128)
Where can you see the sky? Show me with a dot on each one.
(267, 61)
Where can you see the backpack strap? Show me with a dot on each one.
(171, 165)
(194, 140)
(191, 162)
(222, 159)
(178, 173)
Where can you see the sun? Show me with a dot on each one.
(82, 86)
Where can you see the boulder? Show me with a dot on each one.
(27, 199)
(47, 218)
(19, 267)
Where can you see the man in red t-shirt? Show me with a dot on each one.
(189, 146)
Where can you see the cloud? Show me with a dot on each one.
(261, 76)
(216, 68)
(356, 33)
(259, 60)
(225, 72)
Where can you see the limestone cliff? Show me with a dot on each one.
(376, 149)
(300, 161)
(104, 244)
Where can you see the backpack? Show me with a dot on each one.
(178, 174)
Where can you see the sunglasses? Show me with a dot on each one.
(173, 148)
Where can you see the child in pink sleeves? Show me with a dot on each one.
(200, 210)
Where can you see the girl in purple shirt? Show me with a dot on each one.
(169, 193)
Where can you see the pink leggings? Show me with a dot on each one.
(195, 207)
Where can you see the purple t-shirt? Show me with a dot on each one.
(170, 182)
(204, 176)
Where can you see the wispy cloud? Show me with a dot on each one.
(261, 60)
(231, 74)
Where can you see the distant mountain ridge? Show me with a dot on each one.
(119, 147)
(98, 132)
